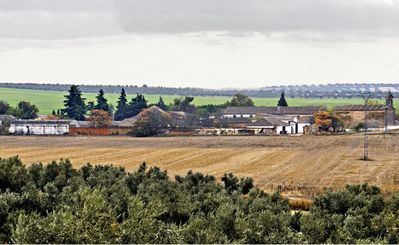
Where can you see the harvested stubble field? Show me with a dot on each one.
(298, 166)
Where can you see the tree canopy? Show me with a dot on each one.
(151, 122)
(4, 106)
(56, 203)
(240, 100)
(99, 119)
(282, 101)
(161, 104)
(102, 102)
(183, 104)
(75, 107)
(24, 110)
(121, 107)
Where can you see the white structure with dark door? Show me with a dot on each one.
(279, 125)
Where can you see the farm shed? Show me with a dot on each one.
(39, 127)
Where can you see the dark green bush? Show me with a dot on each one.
(56, 203)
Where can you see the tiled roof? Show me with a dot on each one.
(282, 110)
(235, 120)
(40, 122)
(6, 117)
(276, 121)
(262, 123)
(269, 121)
(360, 108)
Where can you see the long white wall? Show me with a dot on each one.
(39, 129)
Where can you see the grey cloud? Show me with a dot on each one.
(90, 18)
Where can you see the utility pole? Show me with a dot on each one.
(386, 120)
(366, 97)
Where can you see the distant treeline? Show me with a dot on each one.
(347, 90)
(144, 89)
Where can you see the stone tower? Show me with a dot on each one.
(389, 100)
(390, 110)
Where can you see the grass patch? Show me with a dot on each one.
(53, 100)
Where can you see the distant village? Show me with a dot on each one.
(237, 117)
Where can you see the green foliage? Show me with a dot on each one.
(151, 122)
(4, 106)
(137, 104)
(13, 175)
(24, 110)
(46, 101)
(206, 110)
(56, 203)
(75, 107)
(102, 102)
(161, 104)
(121, 106)
(282, 101)
(240, 100)
(183, 104)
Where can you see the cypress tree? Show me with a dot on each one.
(75, 107)
(282, 101)
(102, 103)
(53, 113)
(121, 106)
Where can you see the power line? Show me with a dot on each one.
(366, 97)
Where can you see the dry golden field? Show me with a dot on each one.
(299, 166)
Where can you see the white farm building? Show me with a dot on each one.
(39, 127)
(279, 125)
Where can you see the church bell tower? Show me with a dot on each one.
(389, 100)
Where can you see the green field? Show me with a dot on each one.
(49, 100)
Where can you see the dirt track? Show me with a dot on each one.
(304, 164)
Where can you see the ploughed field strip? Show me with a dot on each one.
(303, 165)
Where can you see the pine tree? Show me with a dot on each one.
(282, 101)
(121, 107)
(53, 113)
(161, 104)
(90, 106)
(136, 106)
(75, 107)
(102, 103)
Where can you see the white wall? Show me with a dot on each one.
(39, 129)
(279, 129)
(301, 126)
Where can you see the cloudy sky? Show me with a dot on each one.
(199, 43)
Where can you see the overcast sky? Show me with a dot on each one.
(199, 43)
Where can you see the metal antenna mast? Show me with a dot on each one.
(366, 97)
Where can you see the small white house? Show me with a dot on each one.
(270, 125)
(278, 125)
(39, 127)
(298, 124)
